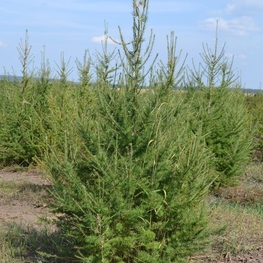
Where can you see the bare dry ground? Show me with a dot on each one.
(23, 197)
(240, 209)
(24, 237)
(27, 230)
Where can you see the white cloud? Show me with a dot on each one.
(2, 44)
(114, 6)
(242, 56)
(257, 3)
(241, 26)
(251, 8)
(230, 8)
(103, 39)
(172, 6)
(229, 55)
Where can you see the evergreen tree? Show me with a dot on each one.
(131, 184)
(220, 106)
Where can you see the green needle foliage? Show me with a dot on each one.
(132, 197)
(22, 102)
(84, 71)
(130, 177)
(20, 133)
(169, 77)
(254, 106)
(131, 158)
(25, 58)
(220, 106)
(105, 71)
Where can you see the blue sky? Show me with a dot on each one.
(72, 26)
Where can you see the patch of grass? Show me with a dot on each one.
(16, 168)
(254, 175)
(24, 191)
(248, 192)
(24, 244)
(242, 231)
(244, 227)
(21, 244)
(7, 188)
(241, 210)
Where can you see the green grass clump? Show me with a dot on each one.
(20, 244)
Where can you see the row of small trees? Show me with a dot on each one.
(131, 166)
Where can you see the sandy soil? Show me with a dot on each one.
(26, 205)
